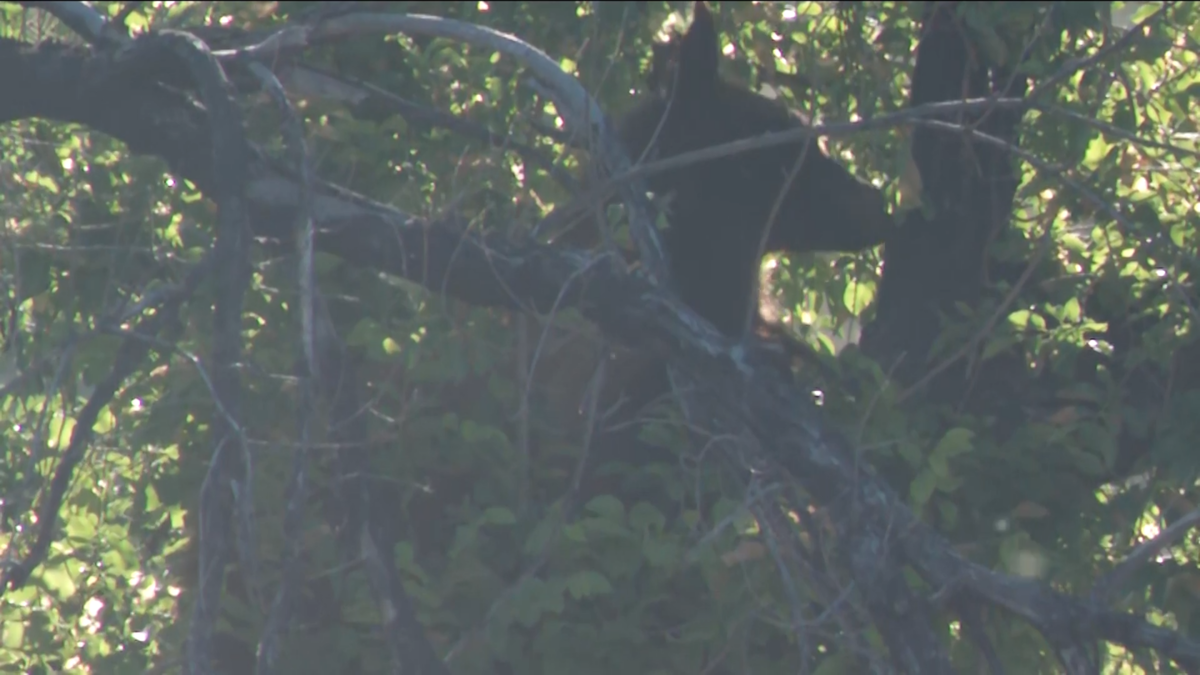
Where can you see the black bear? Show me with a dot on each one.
(719, 212)
(721, 207)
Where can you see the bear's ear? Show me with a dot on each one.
(699, 53)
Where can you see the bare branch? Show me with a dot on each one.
(1109, 584)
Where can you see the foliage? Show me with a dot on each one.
(479, 456)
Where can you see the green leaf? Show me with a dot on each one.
(954, 442)
(604, 527)
(939, 466)
(949, 513)
(575, 532)
(911, 453)
(607, 506)
(949, 483)
(922, 487)
(1019, 318)
(498, 515)
(588, 583)
(998, 343)
(858, 296)
(644, 516)
(405, 560)
(536, 542)
(58, 580)
(661, 553)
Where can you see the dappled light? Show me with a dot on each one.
(524, 338)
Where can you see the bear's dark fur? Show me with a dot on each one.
(717, 217)
(720, 207)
